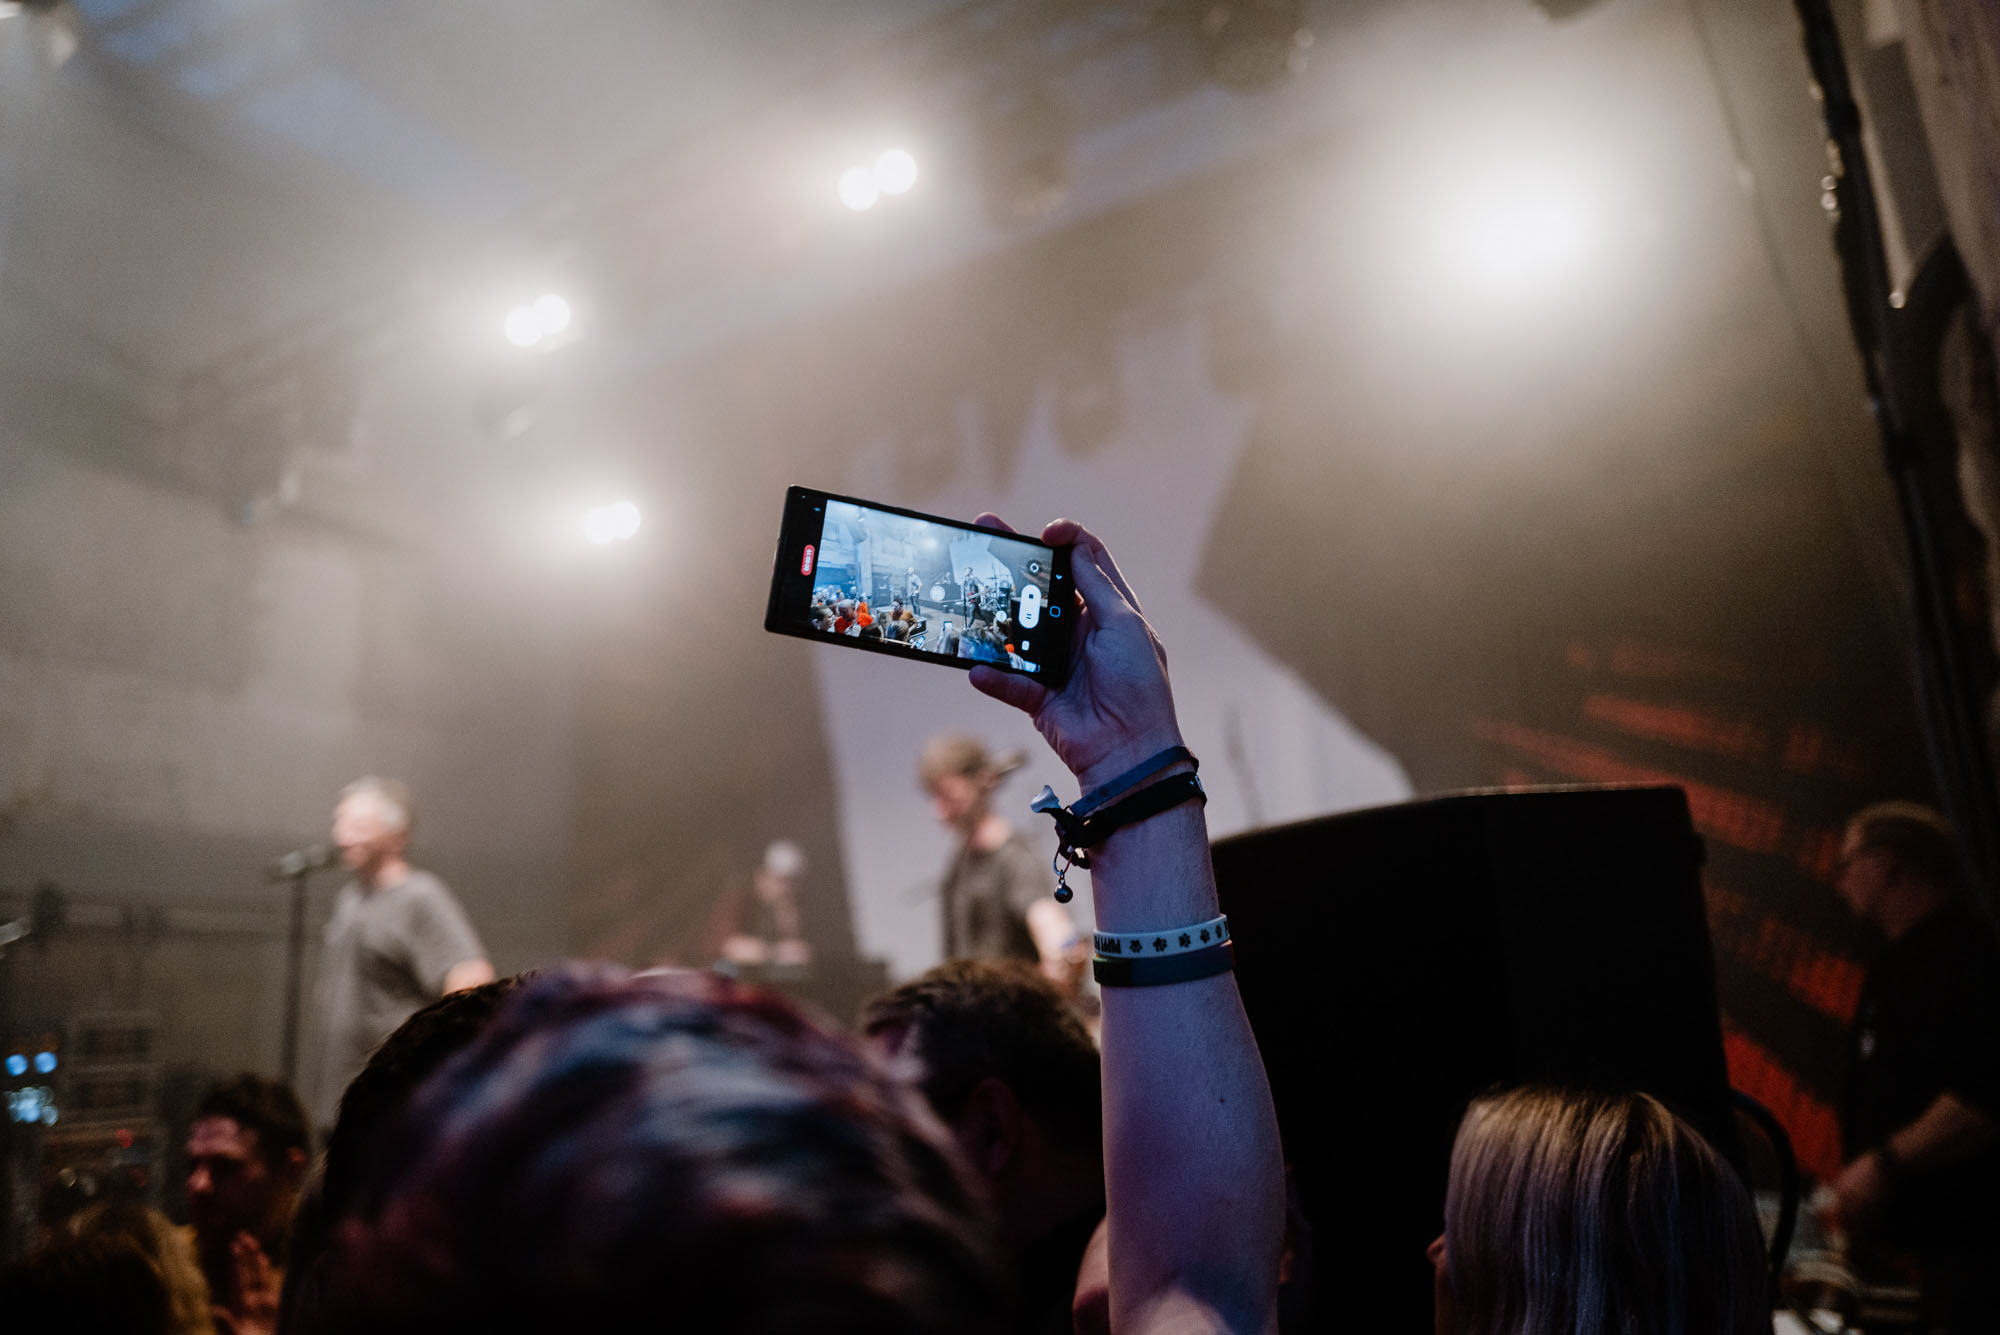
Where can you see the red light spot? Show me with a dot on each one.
(125, 1138)
(806, 561)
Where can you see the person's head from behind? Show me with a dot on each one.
(395, 1070)
(372, 823)
(1012, 1071)
(1898, 862)
(166, 1247)
(98, 1282)
(246, 1149)
(622, 1152)
(1573, 1213)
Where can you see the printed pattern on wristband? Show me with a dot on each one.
(1195, 964)
(1159, 945)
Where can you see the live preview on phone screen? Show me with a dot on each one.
(870, 576)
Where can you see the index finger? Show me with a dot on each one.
(987, 519)
(1092, 548)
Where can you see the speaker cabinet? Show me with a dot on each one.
(1398, 961)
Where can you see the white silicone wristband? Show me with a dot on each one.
(1159, 945)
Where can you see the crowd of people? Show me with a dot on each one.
(593, 1149)
(986, 630)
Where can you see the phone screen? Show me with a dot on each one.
(876, 577)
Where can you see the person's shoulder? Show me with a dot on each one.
(1958, 930)
(422, 886)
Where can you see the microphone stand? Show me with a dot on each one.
(295, 963)
(1959, 751)
(298, 870)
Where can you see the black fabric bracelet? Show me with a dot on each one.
(1148, 801)
(1083, 826)
(1124, 783)
(1205, 963)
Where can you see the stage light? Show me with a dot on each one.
(606, 524)
(17, 1064)
(895, 172)
(45, 1062)
(552, 312)
(858, 189)
(1522, 240)
(1519, 218)
(543, 318)
(523, 329)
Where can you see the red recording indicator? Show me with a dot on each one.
(806, 561)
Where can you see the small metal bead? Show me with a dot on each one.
(1064, 894)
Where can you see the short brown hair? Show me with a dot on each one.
(975, 1019)
(1917, 838)
(965, 756)
(1574, 1213)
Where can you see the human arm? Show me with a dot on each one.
(1945, 1134)
(468, 974)
(1193, 1174)
(444, 951)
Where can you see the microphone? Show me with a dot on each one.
(313, 857)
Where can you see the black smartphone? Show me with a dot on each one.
(894, 581)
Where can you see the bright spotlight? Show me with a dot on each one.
(606, 524)
(543, 318)
(1524, 241)
(552, 312)
(895, 171)
(524, 328)
(858, 189)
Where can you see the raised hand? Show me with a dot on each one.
(1117, 707)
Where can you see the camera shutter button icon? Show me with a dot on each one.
(1031, 607)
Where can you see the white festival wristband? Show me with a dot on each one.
(1159, 945)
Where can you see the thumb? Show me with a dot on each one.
(1009, 688)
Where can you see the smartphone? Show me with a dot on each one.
(894, 581)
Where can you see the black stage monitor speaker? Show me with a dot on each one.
(1398, 961)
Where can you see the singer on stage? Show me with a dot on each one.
(397, 940)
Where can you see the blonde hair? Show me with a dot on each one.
(165, 1247)
(1571, 1213)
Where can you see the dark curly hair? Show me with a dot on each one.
(660, 1151)
(265, 1106)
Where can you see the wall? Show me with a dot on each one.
(181, 698)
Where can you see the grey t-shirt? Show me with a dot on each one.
(385, 956)
(986, 899)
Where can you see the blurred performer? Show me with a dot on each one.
(774, 933)
(246, 1153)
(1920, 1116)
(397, 942)
(997, 891)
